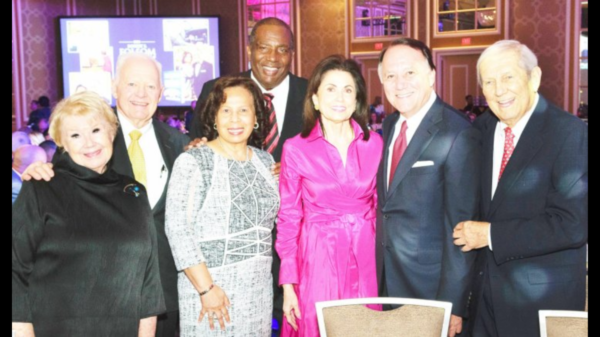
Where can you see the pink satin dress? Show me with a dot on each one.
(326, 222)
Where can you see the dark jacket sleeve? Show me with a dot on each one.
(461, 198)
(153, 301)
(27, 233)
(563, 224)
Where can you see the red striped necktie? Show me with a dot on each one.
(509, 147)
(273, 136)
(400, 146)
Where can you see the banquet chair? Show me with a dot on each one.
(415, 318)
(560, 323)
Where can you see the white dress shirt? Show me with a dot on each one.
(18, 173)
(499, 137)
(412, 124)
(156, 170)
(280, 98)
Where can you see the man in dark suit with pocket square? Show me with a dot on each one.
(427, 182)
(534, 188)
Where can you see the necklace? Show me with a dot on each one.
(231, 156)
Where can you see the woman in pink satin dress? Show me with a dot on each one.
(326, 222)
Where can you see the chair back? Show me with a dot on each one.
(586, 293)
(415, 318)
(560, 323)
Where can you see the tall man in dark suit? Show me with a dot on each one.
(271, 48)
(137, 89)
(534, 200)
(427, 183)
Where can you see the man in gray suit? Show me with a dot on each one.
(426, 184)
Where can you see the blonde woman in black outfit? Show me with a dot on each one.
(84, 251)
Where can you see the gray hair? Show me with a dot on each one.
(527, 59)
(123, 58)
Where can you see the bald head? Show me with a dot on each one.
(19, 138)
(137, 87)
(27, 155)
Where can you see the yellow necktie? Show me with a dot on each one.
(136, 156)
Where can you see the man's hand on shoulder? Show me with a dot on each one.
(197, 142)
(38, 171)
(275, 169)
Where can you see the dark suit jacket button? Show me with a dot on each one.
(385, 216)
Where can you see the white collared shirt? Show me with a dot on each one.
(156, 170)
(18, 173)
(412, 124)
(499, 136)
(280, 97)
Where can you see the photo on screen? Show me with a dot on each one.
(186, 47)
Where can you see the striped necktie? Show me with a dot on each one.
(273, 136)
(136, 156)
(400, 146)
(509, 147)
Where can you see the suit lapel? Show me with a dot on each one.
(419, 142)
(529, 144)
(388, 132)
(121, 163)
(291, 118)
(168, 153)
(165, 144)
(488, 162)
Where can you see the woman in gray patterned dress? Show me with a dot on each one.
(221, 207)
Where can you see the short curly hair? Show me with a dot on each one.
(81, 104)
(217, 97)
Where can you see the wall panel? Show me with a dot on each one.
(35, 47)
(323, 31)
(229, 12)
(542, 26)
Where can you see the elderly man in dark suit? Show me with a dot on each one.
(534, 189)
(271, 48)
(146, 149)
(427, 183)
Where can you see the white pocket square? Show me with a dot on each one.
(423, 163)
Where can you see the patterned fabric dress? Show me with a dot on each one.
(221, 212)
